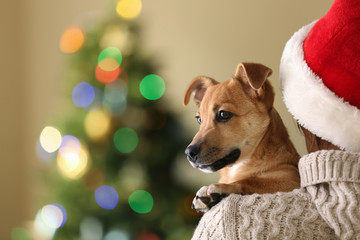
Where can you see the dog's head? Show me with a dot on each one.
(233, 116)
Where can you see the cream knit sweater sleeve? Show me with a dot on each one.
(326, 207)
(333, 182)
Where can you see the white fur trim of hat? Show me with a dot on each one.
(311, 103)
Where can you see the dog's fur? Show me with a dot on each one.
(241, 135)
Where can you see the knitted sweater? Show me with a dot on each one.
(327, 206)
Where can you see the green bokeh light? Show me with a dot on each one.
(110, 52)
(141, 201)
(152, 87)
(125, 140)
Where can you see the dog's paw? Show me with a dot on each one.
(206, 198)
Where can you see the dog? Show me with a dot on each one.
(241, 135)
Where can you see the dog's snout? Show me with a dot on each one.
(192, 152)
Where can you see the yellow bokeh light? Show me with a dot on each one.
(73, 165)
(97, 124)
(50, 139)
(129, 9)
(108, 64)
(72, 40)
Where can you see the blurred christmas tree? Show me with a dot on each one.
(112, 150)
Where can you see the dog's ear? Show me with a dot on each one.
(253, 73)
(198, 86)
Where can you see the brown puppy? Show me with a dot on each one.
(241, 135)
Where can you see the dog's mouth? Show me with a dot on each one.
(219, 164)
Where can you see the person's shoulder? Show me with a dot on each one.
(329, 166)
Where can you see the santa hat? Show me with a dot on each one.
(320, 75)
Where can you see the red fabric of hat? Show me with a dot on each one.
(332, 50)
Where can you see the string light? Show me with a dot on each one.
(49, 218)
(152, 87)
(115, 97)
(110, 53)
(72, 159)
(83, 94)
(106, 76)
(97, 124)
(91, 228)
(141, 201)
(72, 40)
(147, 235)
(108, 64)
(42, 228)
(116, 234)
(50, 139)
(54, 215)
(125, 140)
(119, 37)
(73, 165)
(106, 197)
(69, 143)
(129, 9)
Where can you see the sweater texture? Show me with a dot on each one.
(327, 206)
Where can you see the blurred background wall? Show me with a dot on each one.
(188, 38)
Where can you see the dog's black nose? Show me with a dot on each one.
(192, 152)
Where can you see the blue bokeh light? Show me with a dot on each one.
(107, 197)
(98, 100)
(83, 94)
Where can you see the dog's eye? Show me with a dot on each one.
(198, 118)
(223, 116)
